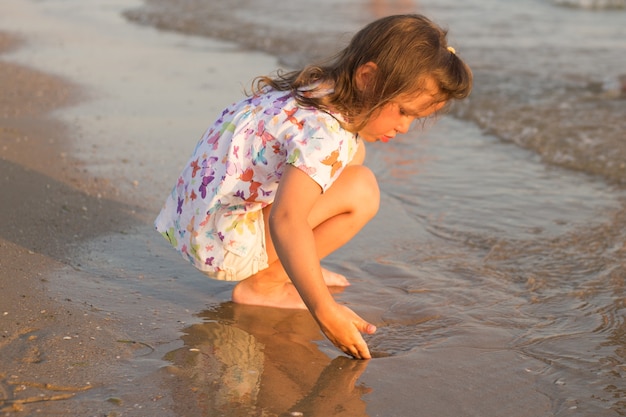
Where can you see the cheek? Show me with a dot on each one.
(376, 127)
(384, 120)
(380, 123)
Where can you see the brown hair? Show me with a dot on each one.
(405, 48)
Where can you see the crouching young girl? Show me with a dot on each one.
(277, 182)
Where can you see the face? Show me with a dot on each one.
(396, 116)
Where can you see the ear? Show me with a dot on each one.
(365, 74)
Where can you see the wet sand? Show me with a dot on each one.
(76, 342)
(73, 341)
(51, 348)
(63, 356)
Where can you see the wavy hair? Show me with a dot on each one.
(406, 50)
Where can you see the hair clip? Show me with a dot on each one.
(451, 50)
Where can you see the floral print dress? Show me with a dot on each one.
(235, 170)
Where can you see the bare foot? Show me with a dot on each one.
(333, 279)
(266, 288)
(272, 288)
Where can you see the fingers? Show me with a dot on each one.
(344, 328)
(367, 328)
(363, 353)
(358, 353)
(358, 350)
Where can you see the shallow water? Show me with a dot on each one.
(495, 275)
(548, 76)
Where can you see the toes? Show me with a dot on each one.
(334, 279)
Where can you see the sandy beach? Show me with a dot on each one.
(82, 331)
(483, 307)
(51, 348)
(63, 355)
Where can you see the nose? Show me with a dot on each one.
(404, 125)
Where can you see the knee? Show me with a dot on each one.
(364, 190)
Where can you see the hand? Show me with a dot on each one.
(343, 327)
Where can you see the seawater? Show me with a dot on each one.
(506, 219)
(550, 74)
(495, 269)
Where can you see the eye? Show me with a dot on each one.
(407, 113)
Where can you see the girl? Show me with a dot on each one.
(277, 183)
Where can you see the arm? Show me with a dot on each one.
(294, 240)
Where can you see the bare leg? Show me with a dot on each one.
(339, 214)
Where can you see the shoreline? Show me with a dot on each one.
(105, 319)
(90, 300)
(52, 348)
(110, 356)
(583, 135)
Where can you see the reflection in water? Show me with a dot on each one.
(258, 361)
